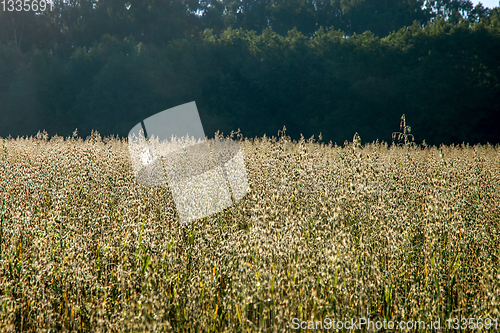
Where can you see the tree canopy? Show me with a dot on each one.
(331, 67)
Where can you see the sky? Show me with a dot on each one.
(487, 3)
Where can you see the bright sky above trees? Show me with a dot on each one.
(487, 3)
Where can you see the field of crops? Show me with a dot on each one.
(374, 231)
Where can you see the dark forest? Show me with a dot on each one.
(323, 68)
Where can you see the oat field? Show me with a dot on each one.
(374, 230)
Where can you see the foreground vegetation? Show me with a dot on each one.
(374, 231)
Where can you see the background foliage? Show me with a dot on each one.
(330, 67)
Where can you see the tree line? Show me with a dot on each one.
(330, 67)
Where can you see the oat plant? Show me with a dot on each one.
(404, 137)
(399, 233)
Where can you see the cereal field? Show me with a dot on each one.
(374, 230)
